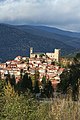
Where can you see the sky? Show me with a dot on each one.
(64, 14)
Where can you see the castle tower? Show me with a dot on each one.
(57, 54)
(31, 51)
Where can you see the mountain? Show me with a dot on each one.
(51, 30)
(53, 33)
(16, 40)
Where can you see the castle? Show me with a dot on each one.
(54, 55)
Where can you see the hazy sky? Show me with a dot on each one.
(63, 14)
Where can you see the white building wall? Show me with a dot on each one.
(57, 55)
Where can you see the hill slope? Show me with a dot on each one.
(16, 40)
(51, 30)
(53, 33)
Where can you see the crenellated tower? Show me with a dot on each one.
(57, 54)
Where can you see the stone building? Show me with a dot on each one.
(54, 55)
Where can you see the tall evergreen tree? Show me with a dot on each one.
(71, 77)
(36, 87)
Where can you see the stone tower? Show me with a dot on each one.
(31, 51)
(57, 55)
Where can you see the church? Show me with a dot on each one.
(54, 55)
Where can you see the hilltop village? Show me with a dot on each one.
(43, 64)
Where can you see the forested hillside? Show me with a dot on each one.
(16, 40)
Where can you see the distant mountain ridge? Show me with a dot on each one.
(16, 40)
(51, 30)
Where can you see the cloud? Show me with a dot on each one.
(59, 13)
